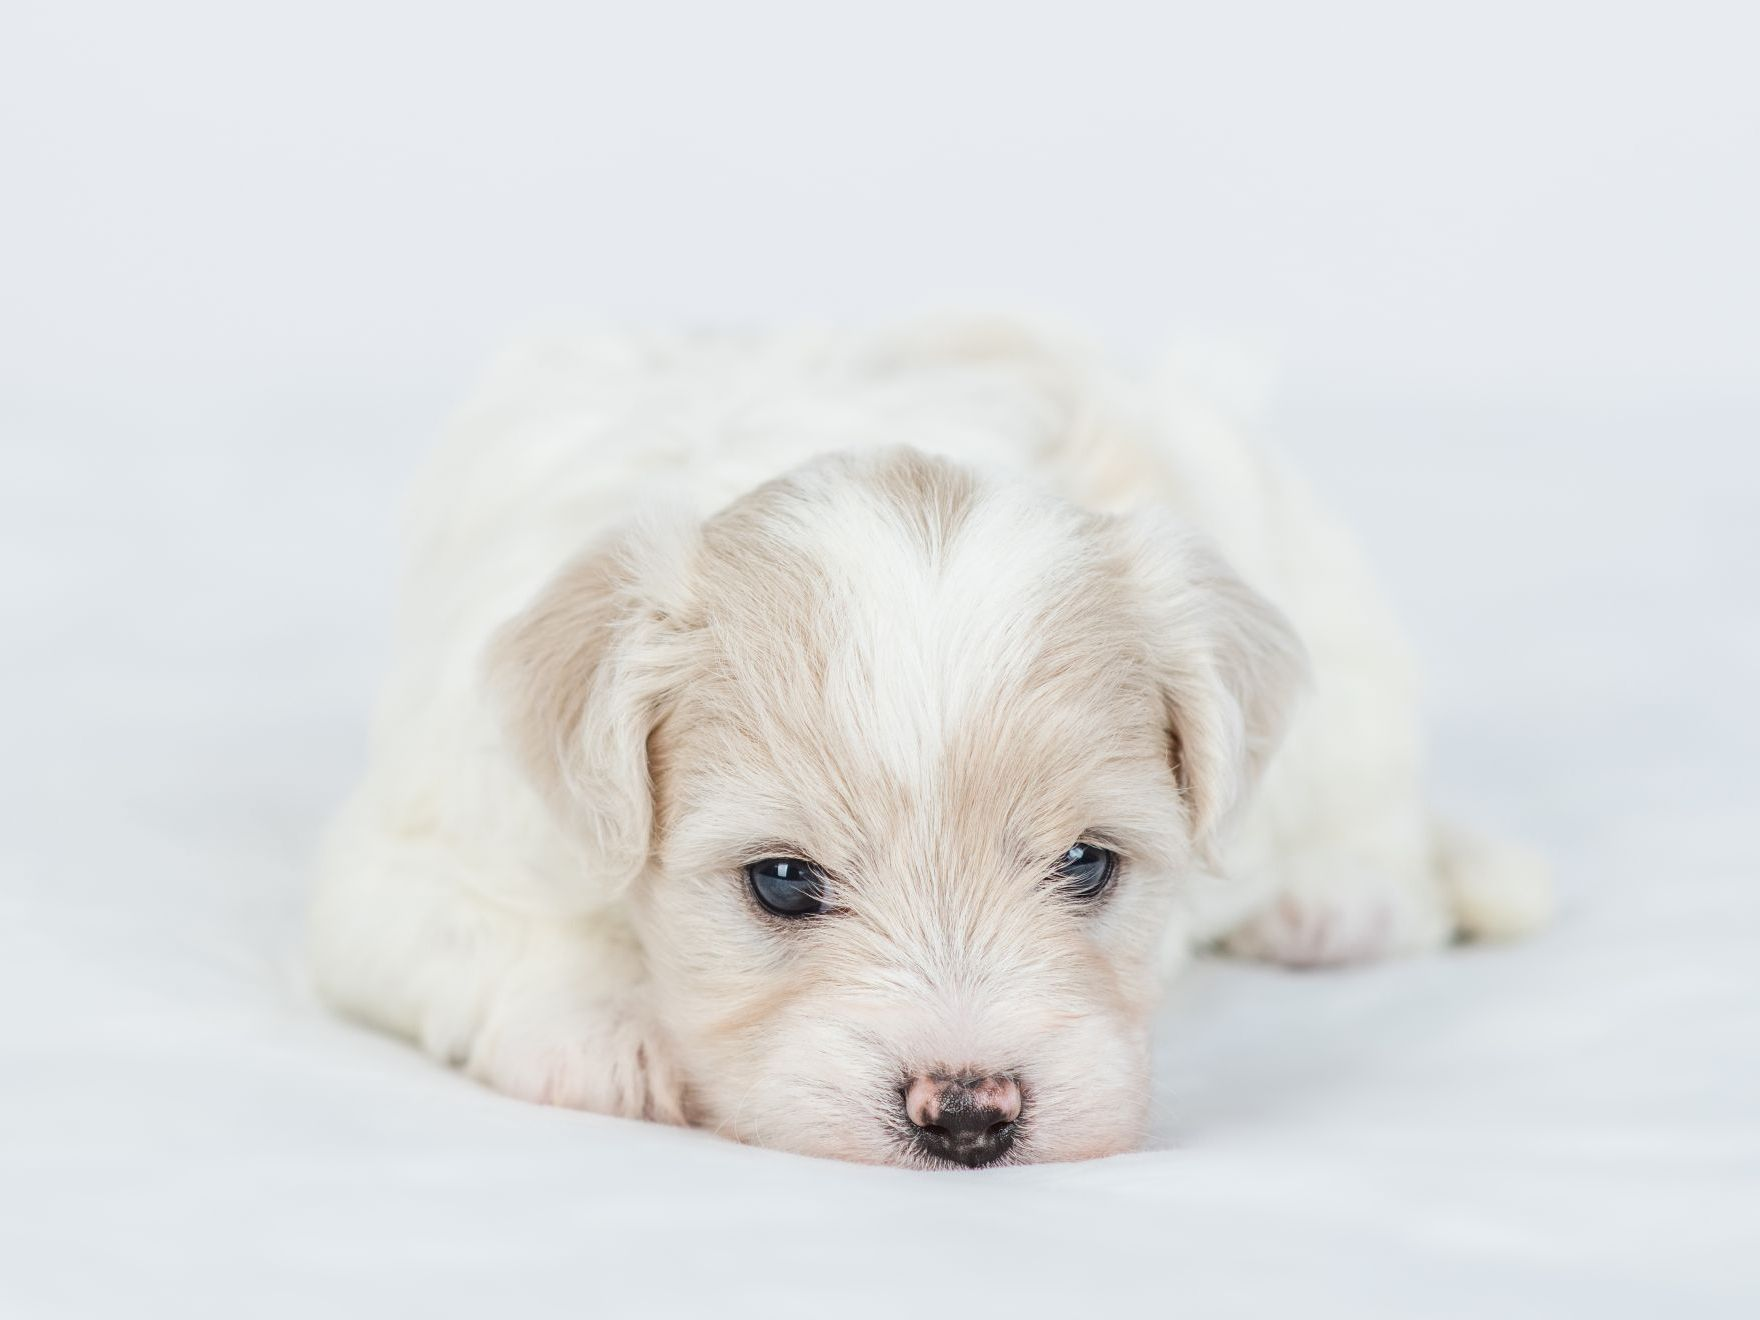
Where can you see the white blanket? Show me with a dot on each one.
(1569, 1127)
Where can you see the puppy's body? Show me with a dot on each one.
(935, 667)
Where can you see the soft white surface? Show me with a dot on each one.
(1571, 1126)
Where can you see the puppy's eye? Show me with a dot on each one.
(787, 886)
(1085, 870)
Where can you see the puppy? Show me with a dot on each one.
(835, 742)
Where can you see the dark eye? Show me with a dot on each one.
(1085, 870)
(787, 886)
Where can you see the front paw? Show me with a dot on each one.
(1338, 925)
(606, 1058)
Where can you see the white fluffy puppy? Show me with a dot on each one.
(834, 742)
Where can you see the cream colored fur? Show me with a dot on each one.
(925, 609)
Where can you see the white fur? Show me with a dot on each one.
(624, 662)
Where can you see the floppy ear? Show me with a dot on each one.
(1229, 665)
(579, 679)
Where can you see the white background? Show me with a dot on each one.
(1386, 195)
(1488, 274)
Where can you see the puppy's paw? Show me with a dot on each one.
(1356, 920)
(605, 1057)
(1497, 890)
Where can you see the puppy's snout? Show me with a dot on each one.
(964, 1120)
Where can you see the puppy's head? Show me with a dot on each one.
(900, 773)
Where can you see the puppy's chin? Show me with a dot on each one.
(1097, 1107)
(869, 1137)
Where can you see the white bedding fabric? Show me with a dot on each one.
(1570, 1127)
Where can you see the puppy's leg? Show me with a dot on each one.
(1379, 894)
(554, 1036)
(1349, 897)
(546, 1008)
(1496, 890)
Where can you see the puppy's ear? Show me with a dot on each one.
(1229, 665)
(580, 678)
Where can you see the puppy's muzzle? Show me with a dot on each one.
(963, 1120)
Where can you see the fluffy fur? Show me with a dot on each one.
(926, 609)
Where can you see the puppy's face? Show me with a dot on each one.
(928, 761)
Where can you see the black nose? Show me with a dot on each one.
(963, 1120)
